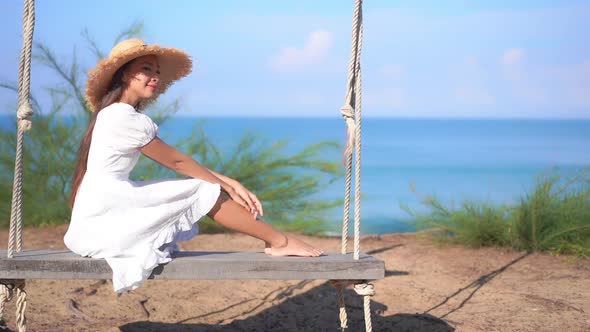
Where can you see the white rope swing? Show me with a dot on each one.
(351, 111)
(7, 287)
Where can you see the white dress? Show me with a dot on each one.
(133, 225)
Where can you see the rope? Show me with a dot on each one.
(366, 290)
(362, 288)
(5, 297)
(351, 112)
(7, 291)
(25, 110)
(21, 306)
(341, 305)
(346, 215)
(357, 107)
(340, 285)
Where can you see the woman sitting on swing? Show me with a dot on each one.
(135, 225)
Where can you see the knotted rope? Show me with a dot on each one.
(7, 288)
(24, 111)
(5, 296)
(351, 112)
(362, 288)
(366, 290)
(340, 285)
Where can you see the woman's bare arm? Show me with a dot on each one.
(223, 178)
(179, 162)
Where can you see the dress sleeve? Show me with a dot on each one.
(131, 130)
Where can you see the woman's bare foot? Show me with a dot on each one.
(292, 247)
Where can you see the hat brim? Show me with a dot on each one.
(174, 64)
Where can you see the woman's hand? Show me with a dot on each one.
(241, 195)
(246, 198)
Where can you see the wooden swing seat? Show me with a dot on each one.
(196, 265)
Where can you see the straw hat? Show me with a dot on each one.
(174, 64)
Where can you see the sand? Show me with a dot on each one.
(428, 287)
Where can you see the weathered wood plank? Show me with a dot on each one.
(49, 264)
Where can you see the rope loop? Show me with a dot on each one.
(364, 289)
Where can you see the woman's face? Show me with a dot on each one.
(142, 77)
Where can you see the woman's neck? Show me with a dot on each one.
(127, 98)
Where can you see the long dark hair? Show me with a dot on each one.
(114, 93)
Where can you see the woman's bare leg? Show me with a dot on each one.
(231, 215)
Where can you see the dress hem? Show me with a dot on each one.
(186, 220)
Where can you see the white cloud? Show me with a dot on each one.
(313, 52)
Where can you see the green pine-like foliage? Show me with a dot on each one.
(554, 217)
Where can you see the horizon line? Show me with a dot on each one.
(393, 117)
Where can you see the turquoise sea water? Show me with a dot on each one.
(493, 160)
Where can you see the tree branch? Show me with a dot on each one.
(49, 59)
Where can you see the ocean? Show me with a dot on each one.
(486, 160)
(454, 159)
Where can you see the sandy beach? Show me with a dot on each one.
(428, 287)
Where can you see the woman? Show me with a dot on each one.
(135, 225)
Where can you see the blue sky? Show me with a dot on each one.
(441, 59)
